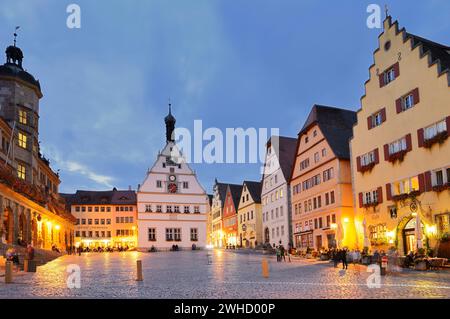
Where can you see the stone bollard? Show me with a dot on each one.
(209, 259)
(139, 271)
(265, 268)
(8, 272)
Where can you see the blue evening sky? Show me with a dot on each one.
(230, 63)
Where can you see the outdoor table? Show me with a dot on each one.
(436, 262)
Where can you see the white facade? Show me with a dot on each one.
(172, 205)
(275, 200)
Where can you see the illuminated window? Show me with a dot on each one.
(22, 117)
(22, 140)
(21, 171)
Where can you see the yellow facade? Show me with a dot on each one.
(401, 184)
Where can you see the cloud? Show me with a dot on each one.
(77, 168)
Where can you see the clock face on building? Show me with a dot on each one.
(172, 178)
(173, 188)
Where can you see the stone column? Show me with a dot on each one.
(15, 217)
(28, 226)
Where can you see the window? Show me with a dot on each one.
(148, 208)
(158, 208)
(194, 234)
(176, 209)
(77, 223)
(83, 209)
(281, 212)
(435, 129)
(22, 117)
(21, 171)
(328, 174)
(405, 186)
(186, 210)
(168, 208)
(316, 157)
(102, 222)
(96, 221)
(389, 76)
(282, 230)
(108, 234)
(89, 221)
(408, 102)
(158, 184)
(196, 209)
(108, 221)
(77, 208)
(397, 146)
(22, 140)
(96, 209)
(327, 199)
(169, 234)
(177, 234)
(367, 158)
(102, 209)
(77, 233)
(332, 197)
(185, 185)
(370, 197)
(306, 140)
(324, 152)
(97, 234)
(440, 177)
(83, 221)
(304, 164)
(152, 234)
(83, 233)
(376, 119)
(89, 209)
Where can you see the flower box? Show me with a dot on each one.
(368, 205)
(367, 168)
(441, 188)
(438, 138)
(398, 156)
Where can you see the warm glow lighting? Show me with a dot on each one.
(333, 226)
(209, 246)
(49, 224)
(346, 220)
(390, 234)
(431, 230)
(414, 214)
(57, 227)
(133, 228)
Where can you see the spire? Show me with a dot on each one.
(170, 125)
(13, 53)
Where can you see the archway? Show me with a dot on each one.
(406, 234)
(34, 232)
(266, 235)
(22, 229)
(8, 225)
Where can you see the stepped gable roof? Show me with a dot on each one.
(336, 125)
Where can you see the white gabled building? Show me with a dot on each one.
(172, 204)
(276, 194)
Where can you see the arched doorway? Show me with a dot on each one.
(8, 225)
(267, 235)
(406, 234)
(34, 232)
(22, 229)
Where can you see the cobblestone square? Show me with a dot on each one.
(231, 275)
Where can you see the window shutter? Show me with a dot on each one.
(369, 122)
(383, 114)
(408, 142)
(360, 200)
(380, 194)
(377, 156)
(398, 105)
(358, 163)
(416, 96)
(428, 185)
(447, 122)
(420, 137)
(386, 152)
(388, 191)
(381, 79)
(397, 69)
(421, 178)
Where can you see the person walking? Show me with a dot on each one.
(344, 258)
(278, 251)
(282, 253)
(335, 255)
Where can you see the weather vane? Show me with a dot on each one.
(15, 35)
(386, 10)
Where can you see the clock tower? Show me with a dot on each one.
(172, 204)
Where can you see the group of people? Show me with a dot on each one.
(281, 253)
(339, 255)
(13, 256)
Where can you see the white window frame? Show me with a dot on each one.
(431, 131)
(397, 146)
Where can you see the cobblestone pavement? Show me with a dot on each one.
(231, 275)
